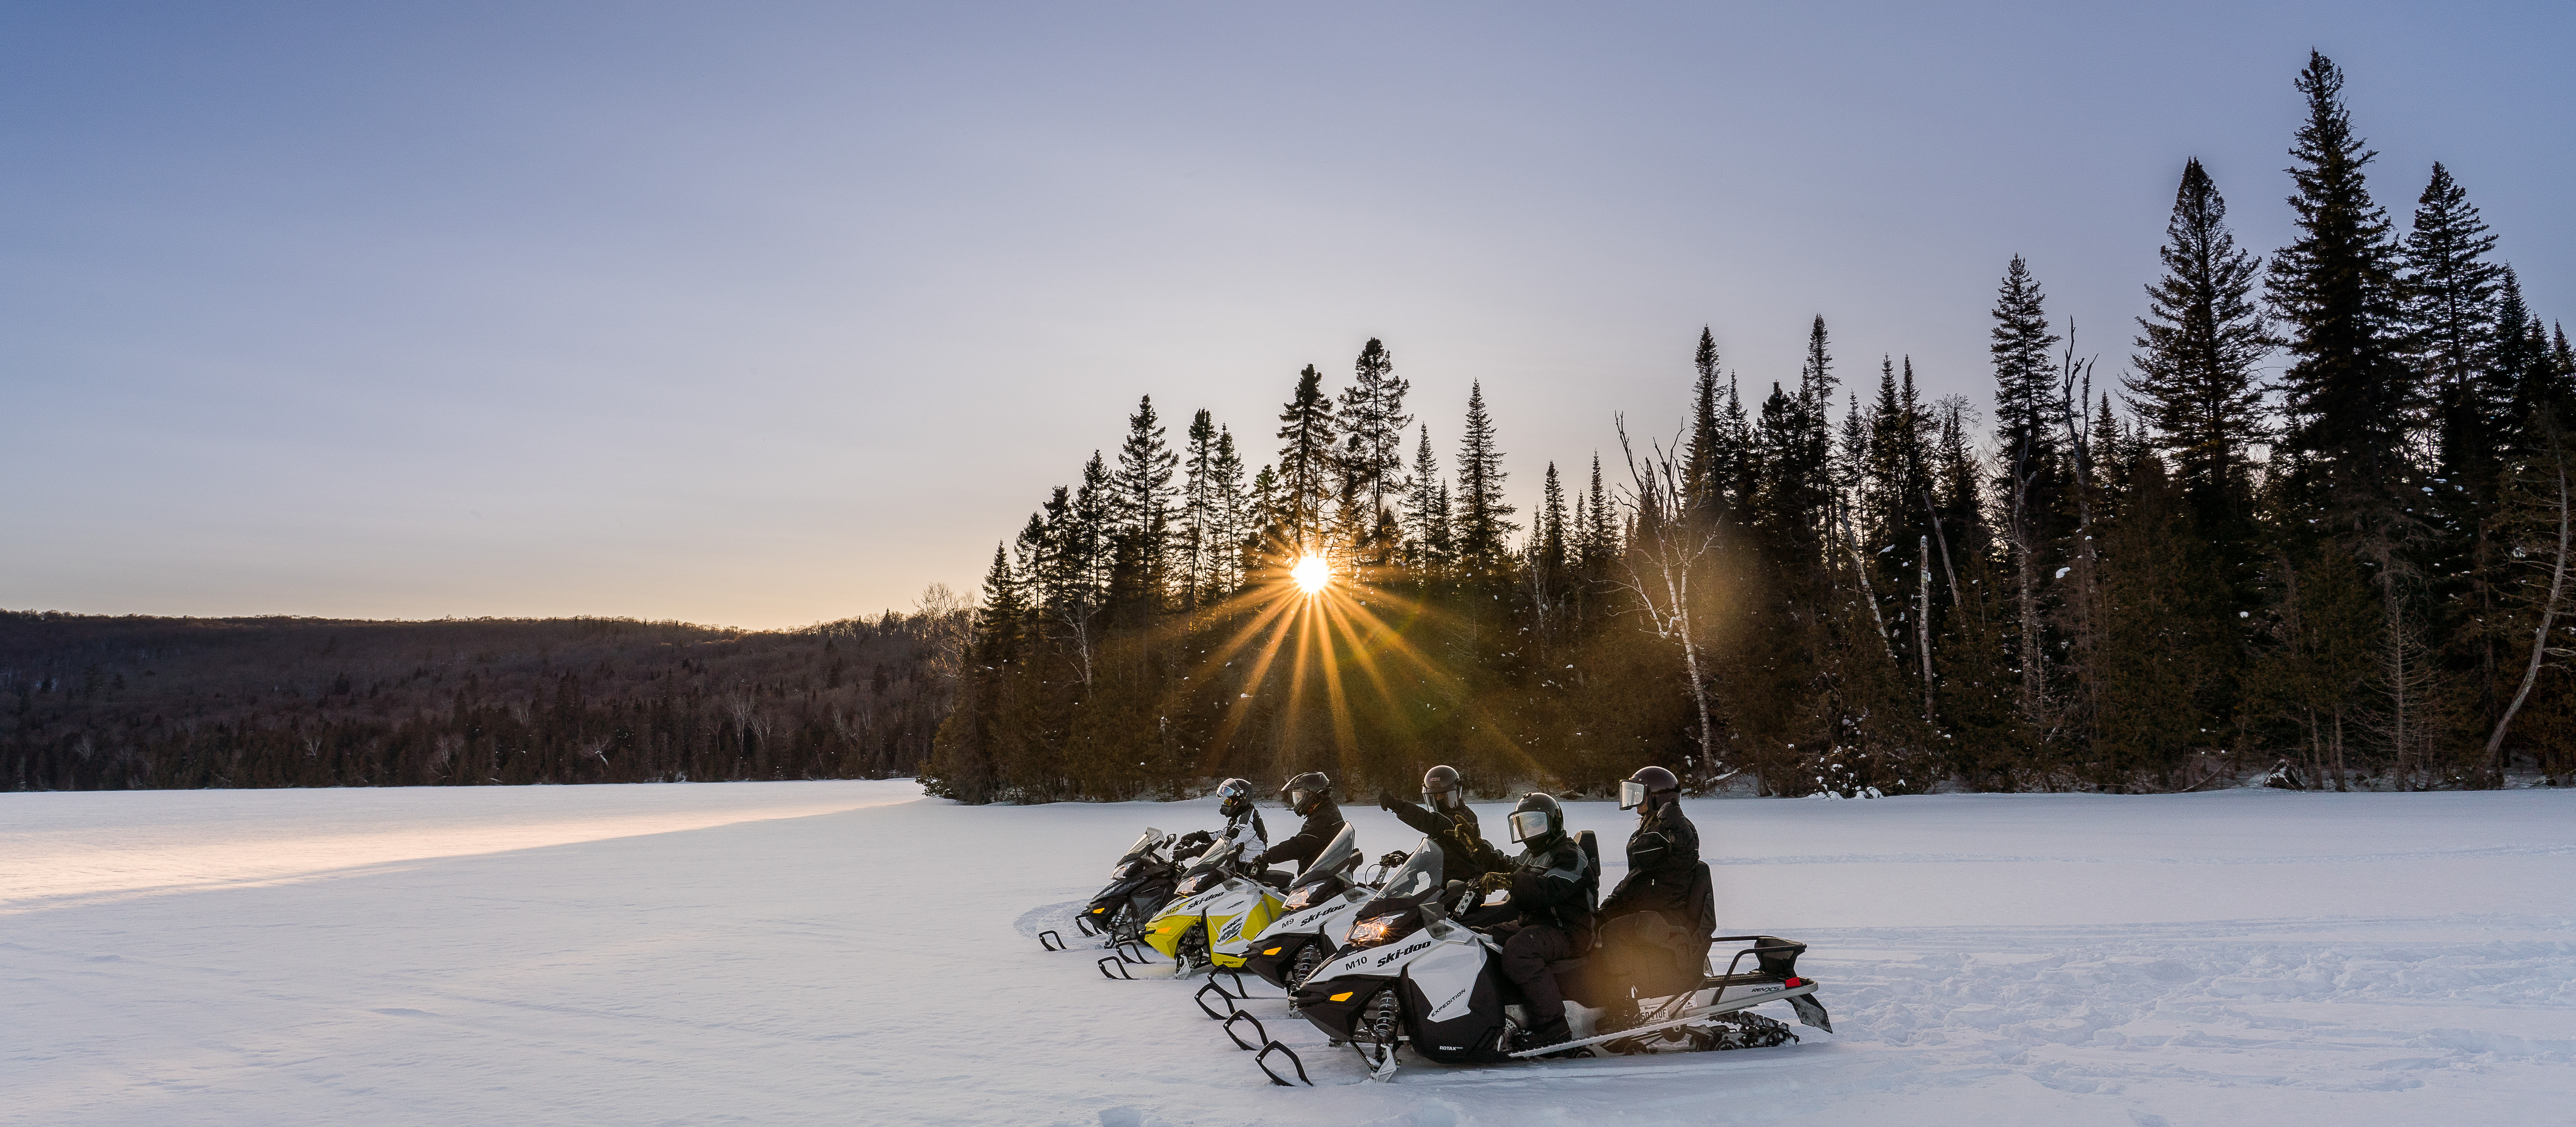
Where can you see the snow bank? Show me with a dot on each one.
(850, 953)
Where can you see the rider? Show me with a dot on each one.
(1309, 796)
(1663, 870)
(1450, 823)
(1552, 884)
(1242, 823)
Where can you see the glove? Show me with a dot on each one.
(1196, 837)
(1395, 858)
(1493, 882)
(1386, 800)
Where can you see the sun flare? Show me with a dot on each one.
(1311, 574)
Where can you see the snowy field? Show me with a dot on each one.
(852, 953)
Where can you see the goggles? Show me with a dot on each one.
(1528, 824)
(1230, 790)
(1442, 799)
(1298, 797)
(1632, 794)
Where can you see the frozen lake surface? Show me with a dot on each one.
(849, 952)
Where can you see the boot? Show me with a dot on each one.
(1548, 1033)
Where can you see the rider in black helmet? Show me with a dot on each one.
(1450, 823)
(1311, 796)
(1242, 823)
(1663, 872)
(1552, 886)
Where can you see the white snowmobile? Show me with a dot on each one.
(1311, 922)
(1413, 976)
(1139, 885)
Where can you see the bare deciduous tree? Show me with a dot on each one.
(1667, 549)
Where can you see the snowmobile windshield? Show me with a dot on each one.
(1208, 871)
(1340, 854)
(1632, 794)
(1391, 915)
(1153, 839)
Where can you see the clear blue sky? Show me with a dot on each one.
(767, 314)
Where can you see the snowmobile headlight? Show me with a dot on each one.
(1378, 930)
(1297, 900)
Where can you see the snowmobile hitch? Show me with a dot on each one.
(1108, 961)
(1201, 999)
(1260, 1036)
(1050, 933)
(1276, 1047)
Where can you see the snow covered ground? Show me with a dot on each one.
(852, 953)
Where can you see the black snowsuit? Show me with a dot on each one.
(1465, 854)
(1322, 823)
(1654, 928)
(1553, 889)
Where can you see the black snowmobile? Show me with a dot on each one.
(1412, 975)
(1139, 885)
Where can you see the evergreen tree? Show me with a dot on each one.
(2349, 393)
(1202, 519)
(1484, 527)
(1552, 540)
(1144, 496)
(1306, 475)
(1233, 517)
(1426, 511)
(2034, 482)
(2197, 383)
(1704, 467)
(1373, 422)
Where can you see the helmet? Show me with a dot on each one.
(1441, 790)
(1303, 792)
(1237, 796)
(1537, 819)
(1647, 783)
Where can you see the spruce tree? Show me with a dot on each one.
(1484, 527)
(2034, 483)
(1552, 535)
(1201, 519)
(1704, 480)
(1426, 512)
(1233, 518)
(1373, 420)
(2348, 394)
(1144, 511)
(1600, 526)
(1307, 471)
(2197, 381)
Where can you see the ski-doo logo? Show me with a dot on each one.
(1392, 956)
(1231, 930)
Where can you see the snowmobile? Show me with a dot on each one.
(1216, 902)
(1311, 923)
(1139, 885)
(1412, 976)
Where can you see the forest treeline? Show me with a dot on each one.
(2315, 528)
(102, 703)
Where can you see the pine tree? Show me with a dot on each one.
(1484, 527)
(1201, 518)
(1306, 462)
(1552, 537)
(2198, 346)
(2034, 482)
(1600, 526)
(1373, 422)
(1233, 518)
(2348, 394)
(1426, 512)
(1704, 467)
(1144, 512)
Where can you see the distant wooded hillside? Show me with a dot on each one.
(94, 702)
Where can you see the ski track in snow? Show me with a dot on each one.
(1989, 960)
